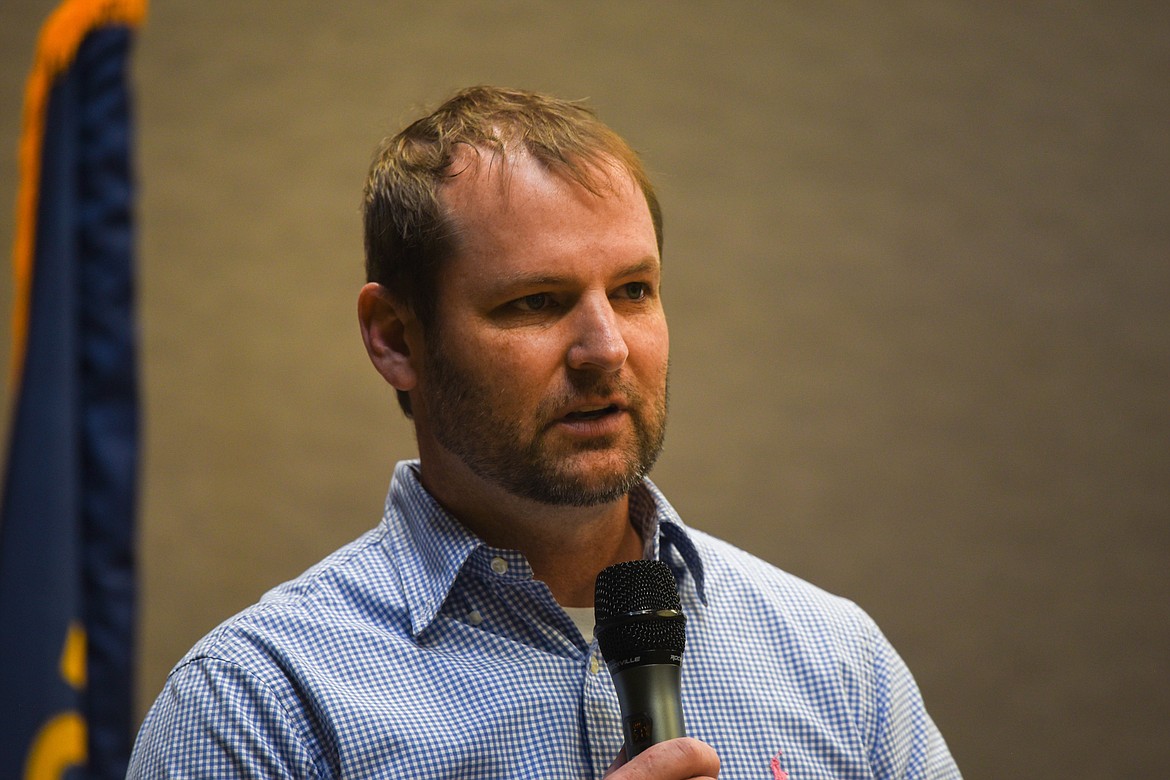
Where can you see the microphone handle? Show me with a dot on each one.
(651, 706)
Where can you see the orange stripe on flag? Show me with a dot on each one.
(61, 35)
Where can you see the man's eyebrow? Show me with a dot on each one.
(522, 280)
(650, 264)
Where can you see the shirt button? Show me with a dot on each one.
(499, 565)
(474, 618)
(594, 667)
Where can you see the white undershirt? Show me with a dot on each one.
(583, 617)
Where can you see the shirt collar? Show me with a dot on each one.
(668, 539)
(429, 547)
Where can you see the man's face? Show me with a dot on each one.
(547, 374)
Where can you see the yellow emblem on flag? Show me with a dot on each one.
(60, 744)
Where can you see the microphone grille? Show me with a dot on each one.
(628, 603)
(634, 586)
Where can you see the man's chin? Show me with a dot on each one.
(569, 493)
(589, 479)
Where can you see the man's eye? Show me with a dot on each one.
(534, 302)
(636, 291)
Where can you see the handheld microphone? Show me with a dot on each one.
(641, 631)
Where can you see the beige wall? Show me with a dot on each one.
(917, 268)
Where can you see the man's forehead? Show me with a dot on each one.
(514, 218)
(500, 179)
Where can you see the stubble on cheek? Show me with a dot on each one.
(519, 450)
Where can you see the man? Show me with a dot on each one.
(513, 250)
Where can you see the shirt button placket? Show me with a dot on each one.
(603, 727)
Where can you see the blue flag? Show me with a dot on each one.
(67, 517)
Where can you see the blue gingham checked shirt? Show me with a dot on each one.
(419, 652)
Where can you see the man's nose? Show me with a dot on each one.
(598, 343)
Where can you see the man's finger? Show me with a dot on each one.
(684, 758)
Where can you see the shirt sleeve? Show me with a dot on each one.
(906, 744)
(214, 718)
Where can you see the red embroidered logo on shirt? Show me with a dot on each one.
(777, 772)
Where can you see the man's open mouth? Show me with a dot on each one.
(591, 414)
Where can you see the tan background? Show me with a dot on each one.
(917, 278)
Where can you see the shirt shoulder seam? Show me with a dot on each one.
(297, 728)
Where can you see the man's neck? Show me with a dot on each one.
(566, 546)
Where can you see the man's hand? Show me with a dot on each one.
(684, 758)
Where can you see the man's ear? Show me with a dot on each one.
(392, 336)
